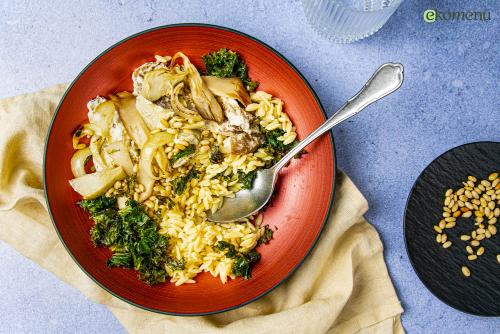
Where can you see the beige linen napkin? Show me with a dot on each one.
(343, 287)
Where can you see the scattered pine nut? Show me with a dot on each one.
(467, 214)
(479, 200)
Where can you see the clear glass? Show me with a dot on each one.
(345, 21)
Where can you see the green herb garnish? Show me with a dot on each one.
(130, 182)
(94, 206)
(133, 236)
(227, 64)
(78, 132)
(247, 179)
(243, 262)
(184, 153)
(176, 264)
(276, 148)
(180, 184)
(266, 236)
(216, 156)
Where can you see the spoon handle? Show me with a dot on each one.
(387, 79)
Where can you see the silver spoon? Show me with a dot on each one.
(387, 79)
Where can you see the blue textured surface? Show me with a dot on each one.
(450, 96)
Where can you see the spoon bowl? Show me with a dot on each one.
(248, 201)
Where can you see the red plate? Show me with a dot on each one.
(305, 188)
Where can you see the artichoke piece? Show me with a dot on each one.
(78, 161)
(101, 118)
(135, 125)
(158, 83)
(228, 87)
(120, 155)
(131, 119)
(95, 146)
(96, 184)
(152, 113)
(204, 101)
(178, 107)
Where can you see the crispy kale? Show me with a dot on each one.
(216, 156)
(176, 264)
(94, 206)
(247, 179)
(180, 184)
(276, 148)
(184, 153)
(243, 262)
(266, 236)
(226, 64)
(132, 235)
(164, 200)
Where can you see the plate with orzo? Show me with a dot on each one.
(155, 133)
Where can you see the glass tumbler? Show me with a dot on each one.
(345, 21)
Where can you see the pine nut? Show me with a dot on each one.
(450, 225)
(480, 251)
(465, 237)
(469, 250)
(475, 243)
(472, 257)
(447, 244)
(492, 176)
(492, 229)
(486, 183)
(467, 214)
(465, 271)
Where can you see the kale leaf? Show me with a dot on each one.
(266, 236)
(180, 184)
(176, 264)
(226, 64)
(243, 262)
(247, 179)
(276, 148)
(184, 153)
(216, 156)
(132, 235)
(94, 206)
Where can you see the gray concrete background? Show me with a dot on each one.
(450, 96)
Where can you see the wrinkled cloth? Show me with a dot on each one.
(343, 286)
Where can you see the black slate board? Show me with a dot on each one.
(438, 268)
